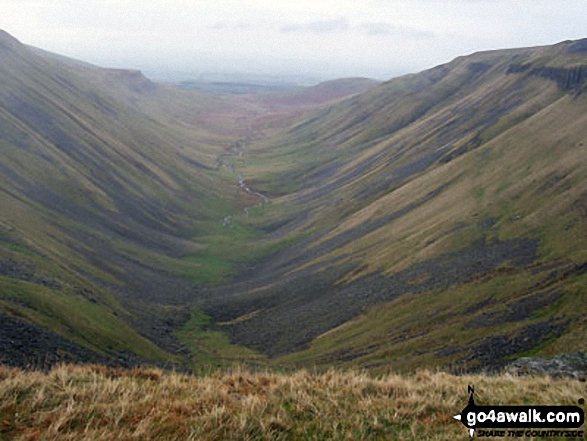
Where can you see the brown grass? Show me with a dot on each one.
(98, 403)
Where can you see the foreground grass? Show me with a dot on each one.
(98, 403)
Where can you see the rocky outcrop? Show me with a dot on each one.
(491, 354)
(564, 365)
(567, 78)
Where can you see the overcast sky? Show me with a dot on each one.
(326, 38)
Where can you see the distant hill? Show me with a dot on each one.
(324, 92)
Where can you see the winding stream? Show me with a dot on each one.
(237, 151)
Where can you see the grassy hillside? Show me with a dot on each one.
(436, 220)
(113, 193)
(108, 181)
(100, 403)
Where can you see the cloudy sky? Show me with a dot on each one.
(324, 38)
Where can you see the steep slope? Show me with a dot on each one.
(437, 220)
(104, 177)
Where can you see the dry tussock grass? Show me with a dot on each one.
(99, 403)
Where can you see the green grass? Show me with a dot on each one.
(17, 247)
(223, 249)
(207, 269)
(72, 316)
(211, 348)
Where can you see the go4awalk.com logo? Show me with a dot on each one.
(520, 421)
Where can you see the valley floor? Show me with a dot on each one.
(99, 403)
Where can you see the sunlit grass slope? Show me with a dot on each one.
(435, 218)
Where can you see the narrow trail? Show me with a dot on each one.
(238, 151)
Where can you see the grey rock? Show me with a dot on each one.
(560, 366)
